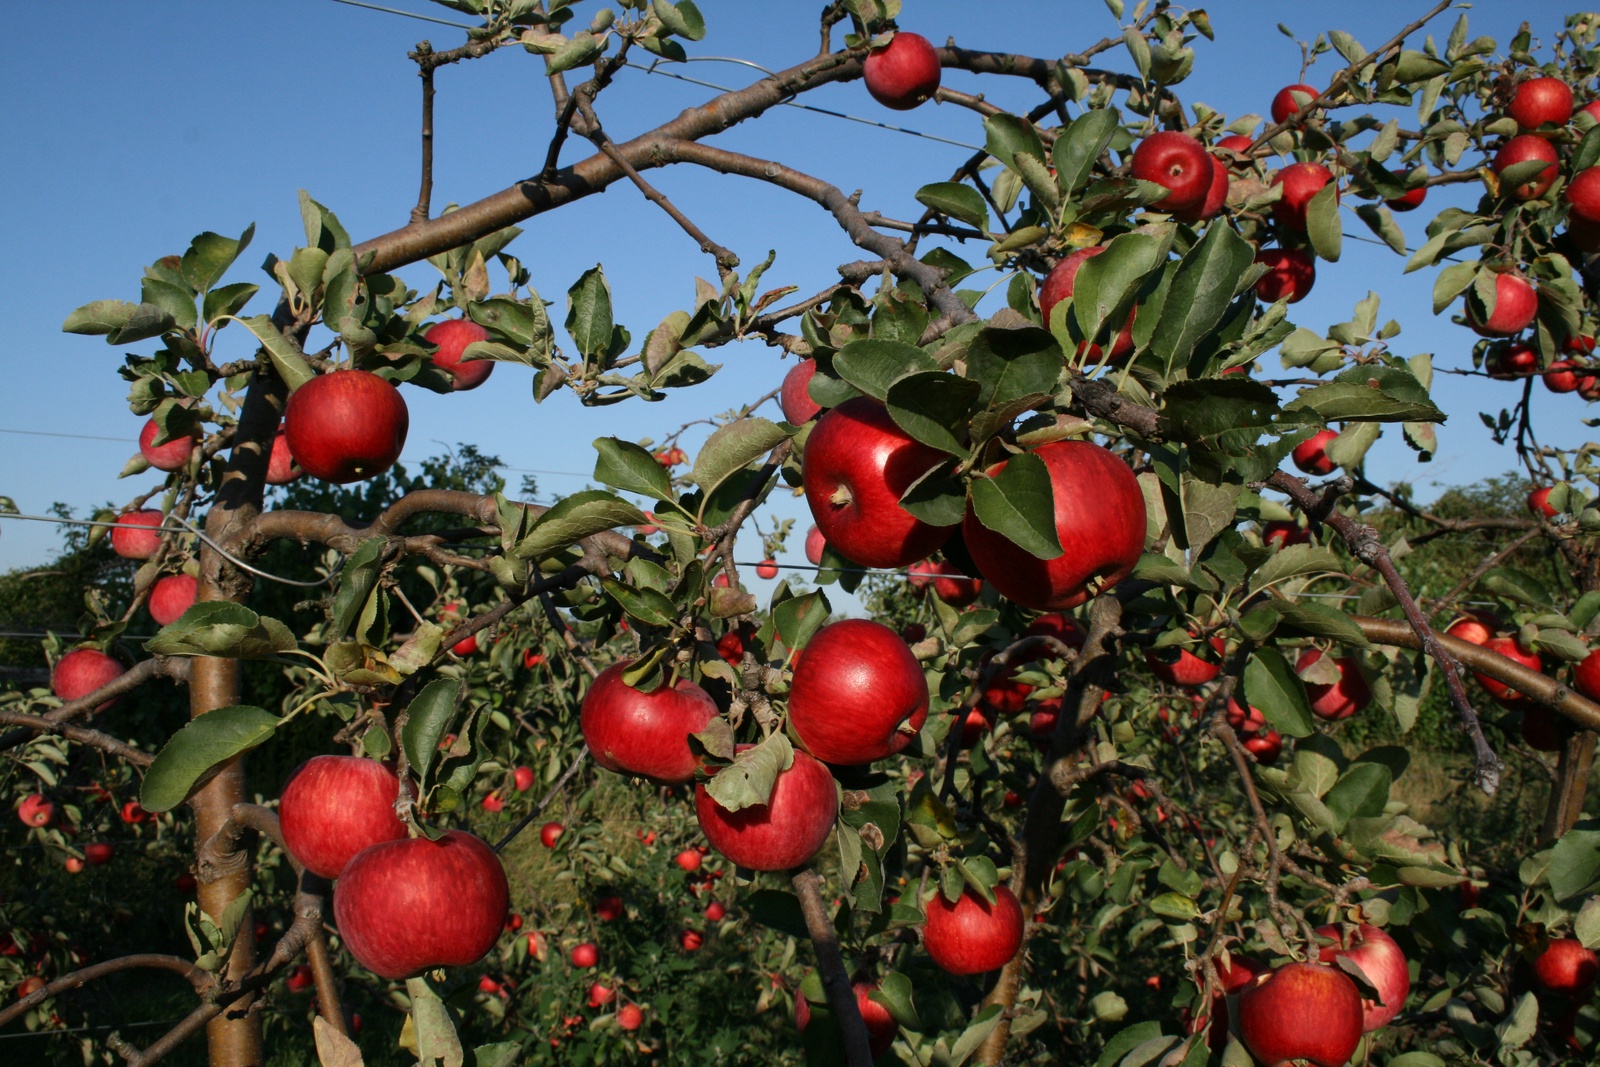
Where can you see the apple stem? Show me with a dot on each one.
(840, 497)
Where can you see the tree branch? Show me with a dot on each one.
(830, 965)
(186, 969)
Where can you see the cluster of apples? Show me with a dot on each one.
(403, 904)
(1541, 727)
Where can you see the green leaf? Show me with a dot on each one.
(1005, 135)
(1013, 363)
(650, 606)
(894, 992)
(1360, 793)
(1515, 585)
(285, 357)
(1206, 408)
(122, 323)
(1019, 504)
(778, 909)
(499, 1054)
(682, 18)
(872, 366)
(427, 718)
(438, 1044)
(222, 628)
(357, 584)
(1321, 620)
(1203, 286)
(589, 313)
(976, 1033)
(578, 516)
(932, 406)
(626, 466)
(1323, 224)
(961, 202)
(1174, 906)
(1272, 687)
(228, 300)
(797, 619)
(1574, 862)
(1370, 394)
(937, 498)
(732, 448)
(747, 782)
(197, 751)
(1079, 144)
(210, 255)
(1106, 285)
(1294, 561)
(583, 47)
(175, 301)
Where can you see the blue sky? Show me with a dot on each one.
(140, 125)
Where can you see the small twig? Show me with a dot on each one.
(93, 738)
(538, 809)
(425, 194)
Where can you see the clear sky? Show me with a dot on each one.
(132, 127)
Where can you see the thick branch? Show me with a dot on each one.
(78, 979)
(94, 738)
(830, 965)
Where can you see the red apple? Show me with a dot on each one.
(81, 672)
(608, 908)
(1539, 502)
(1410, 200)
(333, 807)
(1583, 194)
(1341, 699)
(856, 466)
(513, 923)
(346, 426)
(1290, 99)
(29, 986)
(1507, 362)
(858, 693)
(1567, 968)
(299, 979)
(1291, 272)
(170, 456)
(691, 940)
(584, 956)
(522, 778)
(171, 596)
(1503, 694)
(493, 803)
(1592, 109)
(1216, 196)
(715, 911)
(1042, 721)
(950, 584)
(1311, 455)
(1178, 666)
(453, 336)
(1235, 142)
(185, 883)
(1381, 960)
(1232, 976)
(1178, 162)
(973, 936)
(467, 646)
(136, 534)
(1058, 285)
(1266, 747)
(600, 995)
(1563, 376)
(767, 568)
(644, 734)
(785, 832)
(815, 543)
(97, 852)
(1539, 101)
(689, 859)
(133, 813)
(36, 809)
(1477, 627)
(1301, 1011)
(1100, 523)
(407, 906)
(903, 73)
(1545, 729)
(795, 398)
(550, 833)
(1063, 628)
(1587, 675)
(881, 1027)
(629, 1016)
(1300, 182)
(281, 467)
(73, 864)
(1524, 148)
(1283, 533)
(912, 632)
(532, 659)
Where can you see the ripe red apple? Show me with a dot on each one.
(1587, 675)
(1063, 628)
(648, 529)
(1563, 376)
(691, 940)
(97, 852)
(1235, 142)
(1507, 362)
(784, 833)
(513, 922)
(1100, 523)
(1544, 729)
(1175, 665)
(1476, 627)
(856, 466)
(1341, 699)
(815, 543)
(467, 646)
(346, 426)
(29, 986)
(585, 955)
(1567, 968)
(333, 807)
(1266, 747)
(858, 693)
(881, 1027)
(689, 859)
(1408, 201)
(629, 1016)
(1583, 194)
(550, 833)
(185, 883)
(171, 596)
(493, 803)
(406, 906)
(82, 671)
(136, 534)
(133, 813)
(1301, 1011)
(1539, 502)
(453, 336)
(299, 979)
(1058, 285)
(1249, 722)
(715, 911)
(1538, 101)
(281, 467)
(1179, 163)
(1043, 719)
(522, 778)
(1216, 196)
(171, 456)
(644, 734)
(949, 584)
(532, 659)
(1286, 103)
(1503, 694)
(903, 73)
(1283, 533)
(600, 995)
(973, 936)
(73, 864)
(1311, 455)
(1381, 960)
(1300, 182)
(1291, 272)
(608, 908)
(1524, 148)
(36, 809)
(795, 398)
(1232, 976)
(912, 632)
(767, 568)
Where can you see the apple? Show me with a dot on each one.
(584, 956)
(858, 694)
(1587, 675)
(1408, 201)
(645, 734)
(972, 936)
(974, 726)
(97, 852)
(1179, 163)
(1540, 101)
(29, 986)
(453, 336)
(1100, 523)
(600, 995)
(881, 1027)
(346, 426)
(1043, 719)
(691, 940)
(170, 456)
(1058, 285)
(1291, 272)
(715, 911)
(1478, 627)
(815, 543)
(171, 596)
(1290, 99)
(513, 922)
(1176, 665)
(1063, 628)
(522, 778)
(1563, 376)
(689, 859)
(136, 534)
(81, 672)
(1503, 694)
(467, 646)
(281, 467)
(903, 73)
(856, 466)
(795, 396)
(1583, 194)
(1301, 1011)
(299, 979)
(185, 883)
(608, 908)
(1539, 502)
(1524, 148)
(36, 809)
(133, 813)
(73, 864)
(1283, 533)
(532, 659)
(333, 807)
(1341, 699)
(407, 906)
(1567, 968)
(649, 528)
(1381, 960)
(1266, 747)
(949, 584)
(1235, 142)
(912, 632)
(493, 803)
(785, 832)
(1232, 976)
(1216, 196)
(629, 1016)
(550, 833)
(1544, 729)
(767, 568)
(1508, 362)
(1311, 455)
(1300, 182)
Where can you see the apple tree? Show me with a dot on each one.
(1126, 765)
